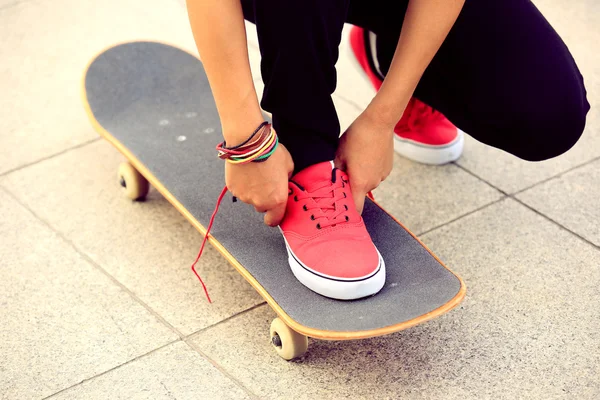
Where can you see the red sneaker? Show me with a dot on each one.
(329, 248)
(422, 134)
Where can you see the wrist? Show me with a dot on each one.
(258, 147)
(384, 115)
(390, 101)
(238, 126)
(236, 132)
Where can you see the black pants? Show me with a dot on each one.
(503, 75)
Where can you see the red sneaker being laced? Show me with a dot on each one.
(422, 134)
(329, 248)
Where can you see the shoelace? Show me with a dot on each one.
(326, 200)
(210, 224)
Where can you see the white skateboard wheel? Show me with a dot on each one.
(288, 343)
(134, 184)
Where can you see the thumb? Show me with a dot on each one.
(359, 199)
(338, 163)
(274, 216)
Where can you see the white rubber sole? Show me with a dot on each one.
(337, 288)
(428, 154)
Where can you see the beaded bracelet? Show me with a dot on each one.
(257, 148)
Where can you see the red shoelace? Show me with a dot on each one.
(210, 224)
(326, 200)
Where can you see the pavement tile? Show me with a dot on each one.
(532, 292)
(44, 50)
(577, 24)
(423, 197)
(522, 332)
(147, 246)
(571, 200)
(173, 372)
(62, 320)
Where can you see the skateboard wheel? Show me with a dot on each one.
(288, 343)
(135, 185)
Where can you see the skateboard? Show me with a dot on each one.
(152, 101)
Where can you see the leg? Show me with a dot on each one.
(503, 75)
(299, 47)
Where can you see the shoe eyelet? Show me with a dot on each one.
(346, 207)
(304, 208)
(312, 217)
(318, 226)
(347, 219)
(290, 192)
(344, 194)
(295, 198)
(343, 184)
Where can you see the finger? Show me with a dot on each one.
(274, 216)
(359, 199)
(339, 164)
(260, 209)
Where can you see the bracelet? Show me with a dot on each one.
(257, 148)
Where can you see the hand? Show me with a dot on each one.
(366, 153)
(263, 185)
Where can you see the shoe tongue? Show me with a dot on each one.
(314, 176)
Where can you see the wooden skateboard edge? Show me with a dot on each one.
(307, 331)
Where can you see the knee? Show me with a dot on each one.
(549, 127)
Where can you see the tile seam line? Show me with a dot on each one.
(238, 314)
(491, 203)
(83, 381)
(474, 175)
(51, 156)
(516, 199)
(577, 235)
(522, 203)
(220, 368)
(557, 176)
(97, 266)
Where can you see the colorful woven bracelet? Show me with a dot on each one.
(257, 148)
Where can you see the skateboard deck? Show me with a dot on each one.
(153, 102)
